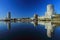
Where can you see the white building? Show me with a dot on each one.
(49, 12)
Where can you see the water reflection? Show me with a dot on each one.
(9, 25)
(49, 25)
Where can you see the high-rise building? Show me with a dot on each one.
(9, 15)
(50, 14)
(50, 11)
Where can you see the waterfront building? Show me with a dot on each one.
(50, 14)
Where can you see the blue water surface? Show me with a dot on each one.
(26, 31)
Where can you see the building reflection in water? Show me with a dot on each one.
(9, 25)
(49, 26)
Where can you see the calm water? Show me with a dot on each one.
(26, 31)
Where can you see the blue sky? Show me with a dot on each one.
(26, 8)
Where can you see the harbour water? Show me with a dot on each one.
(27, 31)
